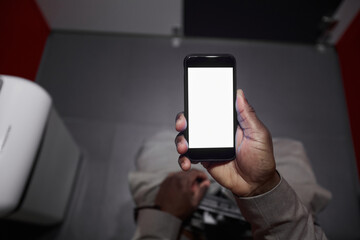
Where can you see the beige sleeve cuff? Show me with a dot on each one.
(156, 224)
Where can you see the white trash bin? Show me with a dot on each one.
(38, 156)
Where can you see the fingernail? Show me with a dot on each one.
(240, 93)
(182, 164)
(178, 116)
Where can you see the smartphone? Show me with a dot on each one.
(210, 95)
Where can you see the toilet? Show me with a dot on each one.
(38, 156)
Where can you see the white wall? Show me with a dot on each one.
(345, 14)
(156, 17)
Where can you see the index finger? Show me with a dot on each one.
(195, 175)
(180, 122)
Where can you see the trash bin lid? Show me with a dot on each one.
(24, 108)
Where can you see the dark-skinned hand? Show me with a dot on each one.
(253, 172)
(181, 192)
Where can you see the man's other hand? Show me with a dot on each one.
(181, 193)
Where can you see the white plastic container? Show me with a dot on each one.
(38, 157)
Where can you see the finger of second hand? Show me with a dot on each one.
(199, 189)
(205, 184)
(198, 175)
(196, 179)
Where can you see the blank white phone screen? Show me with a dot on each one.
(210, 107)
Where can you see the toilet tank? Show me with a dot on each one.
(24, 109)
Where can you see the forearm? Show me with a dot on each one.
(279, 214)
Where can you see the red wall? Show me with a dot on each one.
(23, 34)
(348, 49)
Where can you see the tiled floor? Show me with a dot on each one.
(115, 91)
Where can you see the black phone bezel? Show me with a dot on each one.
(209, 60)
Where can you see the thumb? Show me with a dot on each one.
(246, 115)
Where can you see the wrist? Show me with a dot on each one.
(268, 185)
(172, 210)
(138, 209)
(258, 189)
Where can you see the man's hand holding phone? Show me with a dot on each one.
(253, 172)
